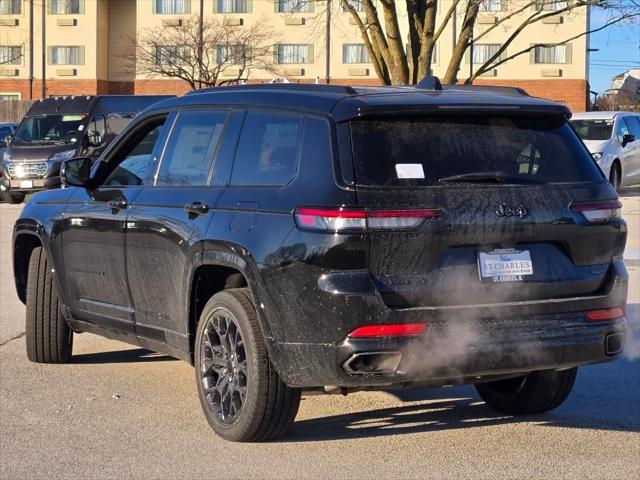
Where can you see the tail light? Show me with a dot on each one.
(389, 330)
(597, 212)
(605, 314)
(360, 219)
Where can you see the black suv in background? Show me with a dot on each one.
(58, 128)
(305, 237)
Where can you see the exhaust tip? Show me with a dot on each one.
(614, 344)
(373, 363)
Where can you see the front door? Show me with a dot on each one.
(167, 222)
(93, 231)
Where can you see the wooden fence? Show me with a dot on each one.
(14, 110)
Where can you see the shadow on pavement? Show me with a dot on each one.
(630, 191)
(135, 355)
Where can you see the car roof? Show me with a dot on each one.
(349, 102)
(608, 115)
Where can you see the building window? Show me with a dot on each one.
(295, 54)
(482, 52)
(9, 96)
(231, 6)
(550, 6)
(10, 7)
(172, 6)
(172, 55)
(355, 53)
(66, 55)
(557, 54)
(294, 6)
(65, 7)
(10, 55)
(492, 5)
(357, 5)
(234, 54)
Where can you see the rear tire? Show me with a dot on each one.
(49, 338)
(13, 198)
(241, 394)
(536, 392)
(615, 175)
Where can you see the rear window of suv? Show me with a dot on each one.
(425, 151)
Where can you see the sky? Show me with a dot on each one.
(619, 50)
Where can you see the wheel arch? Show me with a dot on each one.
(27, 236)
(215, 270)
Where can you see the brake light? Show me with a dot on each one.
(596, 212)
(393, 330)
(605, 314)
(341, 219)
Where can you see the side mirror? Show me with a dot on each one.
(75, 172)
(4, 142)
(94, 138)
(628, 138)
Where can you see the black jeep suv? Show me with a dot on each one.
(285, 238)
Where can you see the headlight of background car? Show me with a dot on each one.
(596, 156)
(60, 156)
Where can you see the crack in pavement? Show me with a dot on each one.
(20, 335)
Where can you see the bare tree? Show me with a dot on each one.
(400, 60)
(226, 54)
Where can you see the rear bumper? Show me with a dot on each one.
(454, 354)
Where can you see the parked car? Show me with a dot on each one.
(613, 138)
(6, 130)
(55, 129)
(285, 238)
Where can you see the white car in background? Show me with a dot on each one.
(613, 138)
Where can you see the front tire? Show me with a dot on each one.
(615, 175)
(241, 394)
(536, 392)
(49, 338)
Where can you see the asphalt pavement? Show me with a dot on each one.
(118, 411)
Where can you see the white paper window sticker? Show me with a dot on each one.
(409, 170)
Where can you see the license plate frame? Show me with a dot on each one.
(26, 183)
(505, 265)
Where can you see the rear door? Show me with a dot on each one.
(631, 172)
(168, 221)
(502, 187)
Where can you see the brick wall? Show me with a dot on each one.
(573, 93)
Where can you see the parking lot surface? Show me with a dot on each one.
(121, 411)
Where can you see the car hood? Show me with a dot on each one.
(33, 153)
(596, 146)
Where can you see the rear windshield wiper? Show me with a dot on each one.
(485, 177)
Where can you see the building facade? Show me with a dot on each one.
(87, 43)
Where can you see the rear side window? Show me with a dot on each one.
(267, 150)
(191, 148)
(418, 152)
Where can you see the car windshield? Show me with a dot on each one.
(593, 129)
(49, 129)
(468, 148)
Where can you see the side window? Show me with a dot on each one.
(267, 150)
(633, 125)
(191, 148)
(98, 124)
(4, 132)
(621, 128)
(116, 122)
(132, 161)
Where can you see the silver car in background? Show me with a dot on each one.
(613, 138)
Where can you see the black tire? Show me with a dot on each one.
(49, 338)
(268, 407)
(13, 198)
(615, 175)
(536, 392)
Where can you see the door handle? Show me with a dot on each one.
(196, 208)
(117, 204)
